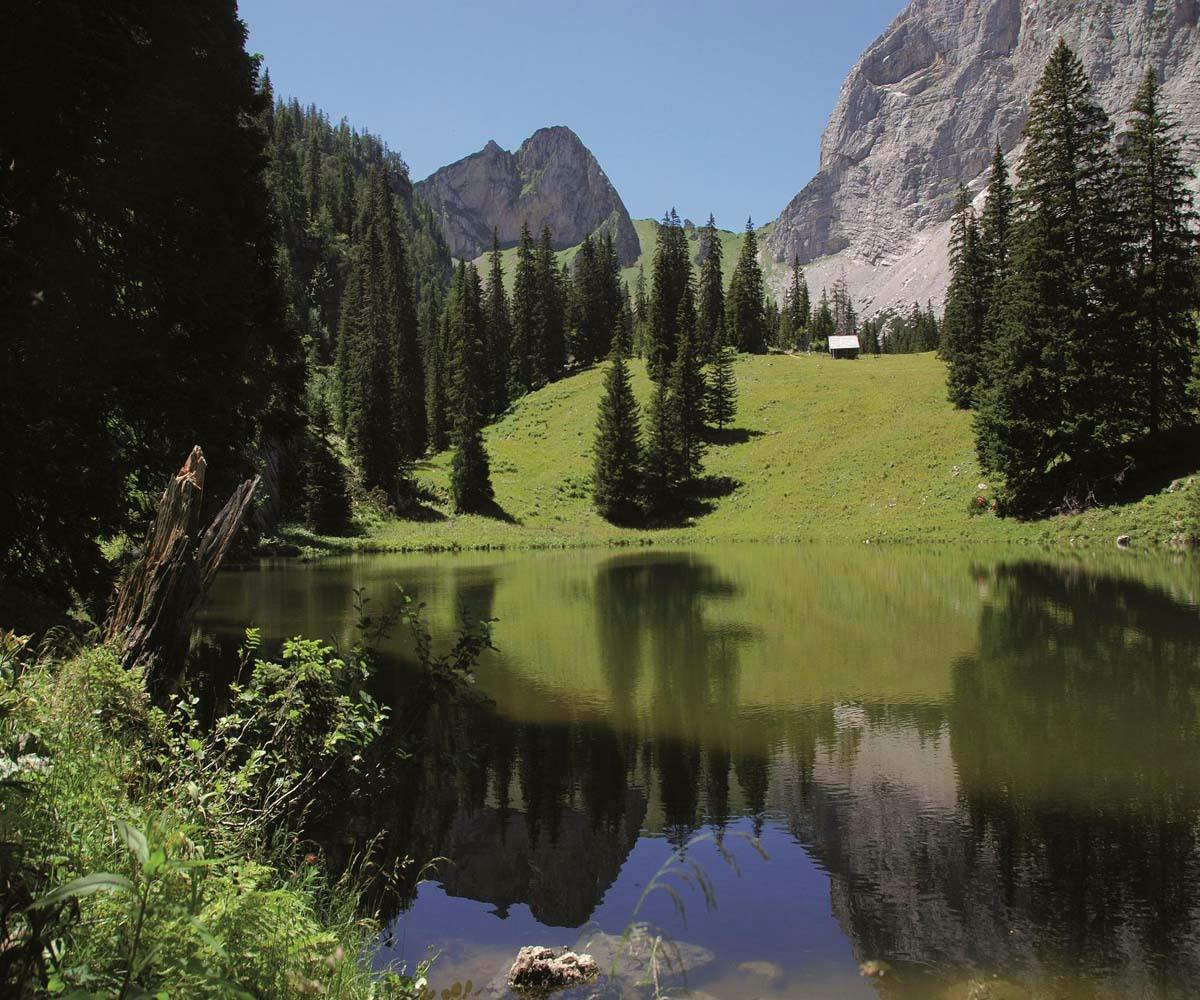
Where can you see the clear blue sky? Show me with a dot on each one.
(707, 106)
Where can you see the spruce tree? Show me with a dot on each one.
(498, 326)
(965, 308)
(662, 475)
(821, 326)
(1058, 409)
(552, 293)
(1159, 220)
(366, 364)
(470, 472)
(623, 338)
(710, 310)
(795, 314)
(616, 476)
(436, 377)
(469, 364)
(670, 279)
(641, 315)
(995, 240)
(406, 376)
(525, 353)
(722, 390)
(744, 305)
(688, 395)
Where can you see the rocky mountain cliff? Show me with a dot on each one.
(553, 179)
(924, 107)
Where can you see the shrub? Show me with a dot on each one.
(145, 851)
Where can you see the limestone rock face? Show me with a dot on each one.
(925, 105)
(553, 179)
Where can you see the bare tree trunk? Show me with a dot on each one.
(155, 603)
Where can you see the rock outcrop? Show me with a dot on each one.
(924, 107)
(553, 179)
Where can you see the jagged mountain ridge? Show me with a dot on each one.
(552, 179)
(924, 107)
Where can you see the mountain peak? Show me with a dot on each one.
(551, 180)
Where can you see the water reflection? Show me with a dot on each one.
(993, 763)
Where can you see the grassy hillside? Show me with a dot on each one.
(866, 451)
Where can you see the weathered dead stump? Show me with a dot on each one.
(155, 604)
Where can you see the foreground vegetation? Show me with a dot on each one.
(153, 845)
(865, 451)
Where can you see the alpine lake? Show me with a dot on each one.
(809, 772)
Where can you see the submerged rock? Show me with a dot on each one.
(545, 970)
(768, 973)
(874, 968)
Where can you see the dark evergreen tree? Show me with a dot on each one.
(140, 308)
(841, 306)
(598, 298)
(1159, 223)
(670, 280)
(688, 395)
(616, 476)
(436, 381)
(552, 293)
(722, 390)
(795, 318)
(710, 294)
(995, 239)
(966, 306)
(470, 472)
(623, 338)
(1057, 412)
(821, 327)
(325, 505)
(773, 321)
(498, 327)
(744, 306)
(527, 322)
(641, 315)
(663, 473)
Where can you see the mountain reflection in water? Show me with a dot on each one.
(962, 766)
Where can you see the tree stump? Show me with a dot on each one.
(152, 619)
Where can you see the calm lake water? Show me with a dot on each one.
(971, 768)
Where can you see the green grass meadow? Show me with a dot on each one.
(865, 451)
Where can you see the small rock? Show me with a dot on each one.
(544, 970)
(874, 968)
(769, 973)
(1124, 541)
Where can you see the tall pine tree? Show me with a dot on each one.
(525, 353)
(722, 390)
(1057, 413)
(1159, 222)
(552, 292)
(670, 279)
(744, 306)
(965, 306)
(498, 326)
(617, 458)
(710, 294)
(663, 466)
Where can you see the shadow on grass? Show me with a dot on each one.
(421, 511)
(497, 513)
(730, 435)
(1159, 462)
(698, 500)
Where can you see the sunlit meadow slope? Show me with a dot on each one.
(865, 451)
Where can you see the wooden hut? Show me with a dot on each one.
(844, 347)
